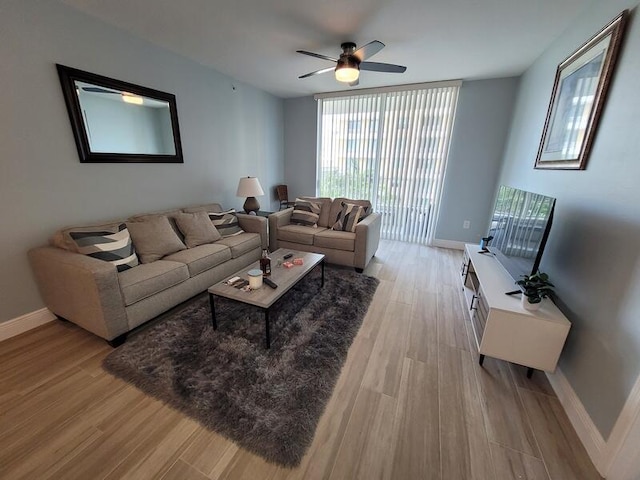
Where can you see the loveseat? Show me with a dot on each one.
(112, 277)
(346, 231)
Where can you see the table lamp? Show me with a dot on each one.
(250, 187)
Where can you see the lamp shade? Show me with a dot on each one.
(249, 187)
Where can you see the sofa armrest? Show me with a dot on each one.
(367, 239)
(254, 224)
(277, 220)
(81, 289)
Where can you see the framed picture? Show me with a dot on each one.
(577, 99)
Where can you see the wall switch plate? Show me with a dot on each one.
(466, 224)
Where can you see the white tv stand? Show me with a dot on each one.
(502, 328)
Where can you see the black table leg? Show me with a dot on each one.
(529, 372)
(266, 321)
(322, 265)
(481, 361)
(213, 312)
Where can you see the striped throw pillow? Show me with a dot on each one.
(305, 213)
(348, 217)
(226, 223)
(112, 245)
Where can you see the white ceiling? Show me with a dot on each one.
(255, 41)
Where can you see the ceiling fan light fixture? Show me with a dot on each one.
(347, 69)
(347, 74)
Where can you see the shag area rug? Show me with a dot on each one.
(267, 401)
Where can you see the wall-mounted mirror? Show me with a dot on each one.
(115, 121)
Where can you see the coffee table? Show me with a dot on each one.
(265, 297)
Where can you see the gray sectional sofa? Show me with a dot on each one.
(111, 298)
(352, 249)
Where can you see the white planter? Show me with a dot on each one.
(532, 307)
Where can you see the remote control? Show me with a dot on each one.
(241, 283)
(288, 255)
(270, 282)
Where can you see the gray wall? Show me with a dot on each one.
(477, 145)
(228, 130)
(479, 135)
(592, 255)
(300, 132)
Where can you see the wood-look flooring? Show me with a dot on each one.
(411, 403)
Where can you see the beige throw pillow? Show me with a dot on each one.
(197, 228)
(154, 238)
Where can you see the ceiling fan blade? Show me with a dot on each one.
(368, 50)
(355, 83)
(382, 67)
(317, 55)
(317, 72)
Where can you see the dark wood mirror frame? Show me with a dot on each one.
(69, 75)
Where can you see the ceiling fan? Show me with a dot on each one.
(351, 61)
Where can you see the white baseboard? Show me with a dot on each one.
(454, 244)
(620, 460)
(24, 323)
(587, 432)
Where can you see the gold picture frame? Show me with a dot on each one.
(579, 91)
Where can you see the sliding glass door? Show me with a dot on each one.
(389, 147)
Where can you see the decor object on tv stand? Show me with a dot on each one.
(250, 187)
(534, 288)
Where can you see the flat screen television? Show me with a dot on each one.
(520, 227)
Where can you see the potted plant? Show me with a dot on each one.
(534, 288)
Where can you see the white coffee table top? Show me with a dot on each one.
(286, 278)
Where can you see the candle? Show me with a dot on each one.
(255, 279)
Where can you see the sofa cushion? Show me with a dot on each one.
(336, 208)
(306, 212)
(111, 243)
(336, 240)
(154, 238)
(298, 234)
(242, 243)
(226, 223)
(148, 279)
(325, 206)
(348, 217)
(197, 229)
(201, 258)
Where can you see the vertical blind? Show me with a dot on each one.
(389, 147)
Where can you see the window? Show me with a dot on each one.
(389, 147)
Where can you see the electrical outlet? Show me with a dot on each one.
(466, 224)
